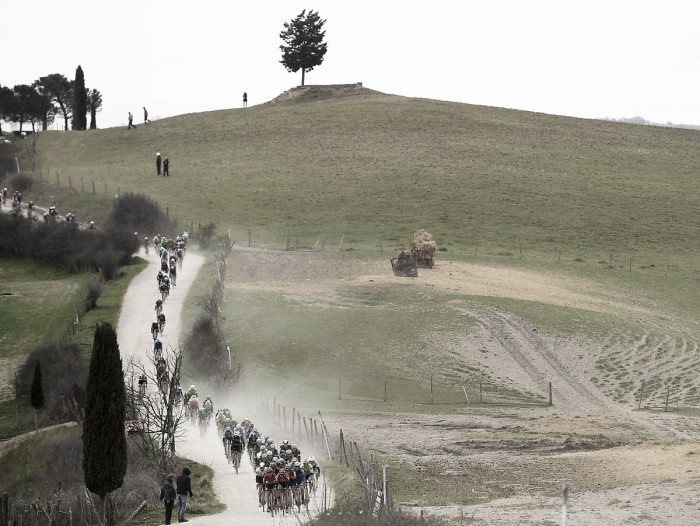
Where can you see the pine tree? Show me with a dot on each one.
(303, 47)
(104, 438)
(94, 105)
(79, 101)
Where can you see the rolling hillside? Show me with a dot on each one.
(375, 167)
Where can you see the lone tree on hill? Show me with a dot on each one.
(37, 395)
(303, 47)
(104, 437)
(80, 102)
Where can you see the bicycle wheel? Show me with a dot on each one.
(236, 461)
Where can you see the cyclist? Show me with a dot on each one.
(173, 273)
(314, 463)
(227, 439)
(146, 245)
(192, 391)
(158, 350)
(161, 322)
(159, 306)
(208, 407)
(92, 226)
(143, 382)
(227, 412)
(30, 209)
(154, 330)
(237, 445)
(296, 451)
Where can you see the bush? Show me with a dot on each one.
(93, 294)
(66, 246)
(362, 519)
(204, 347)
(206, 235)
(138, 213)
(20, 182)
(63, 369)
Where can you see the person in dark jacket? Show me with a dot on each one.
(166, 167)
(184, 490)
(168, 496)
(157, 163)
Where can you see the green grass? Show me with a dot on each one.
(108, 305)
(379, 167)
(38, 309)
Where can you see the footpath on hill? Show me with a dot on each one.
(237, 491)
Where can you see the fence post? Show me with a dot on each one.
(385, 390)
(481, 393)
(641, 395)
(550, 393)
(58, 182)
(431, 388)
(294, 415)
(668, 392)
(284, 410)
(93, 188)
(5, 516)
(340, 389)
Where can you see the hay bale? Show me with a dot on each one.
(423, 241)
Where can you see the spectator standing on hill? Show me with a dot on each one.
(168, 495)
(145, 115)
(245, 99)
(158, 163)
(184, 490)
(131, 121)
(166, 167)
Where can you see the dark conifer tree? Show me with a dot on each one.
(104, 438)
(303, 47)
(79, 101)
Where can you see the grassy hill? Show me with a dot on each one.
(376, 167)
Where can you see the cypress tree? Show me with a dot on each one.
(104, 438)
(79, 101)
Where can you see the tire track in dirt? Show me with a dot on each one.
(538, 363)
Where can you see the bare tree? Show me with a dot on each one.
(158, 414)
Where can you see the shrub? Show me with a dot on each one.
(62, 366)
(20, 182)
(93, 294)
(203, 346)
(206, 235)
(139, 213)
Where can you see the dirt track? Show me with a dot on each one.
(236, 491)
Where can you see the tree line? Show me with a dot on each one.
(50, 97)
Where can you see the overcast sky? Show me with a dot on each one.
(589, 58)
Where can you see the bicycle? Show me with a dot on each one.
(236, 460)
(161, 326)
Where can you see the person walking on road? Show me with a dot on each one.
(184, 490)
(168, 496)
(158, 163)
(131, 121)
(166, 167)
(145, 115)
(245, 99)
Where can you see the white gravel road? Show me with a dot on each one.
(236, 491)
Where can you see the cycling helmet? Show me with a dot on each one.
(262, 464)
(258, 441)
(227, 428)
(311, 458)
(285, 441)
(306, 461)
(268, 453)
(294, 446)
(297, 464)
(274, 459)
